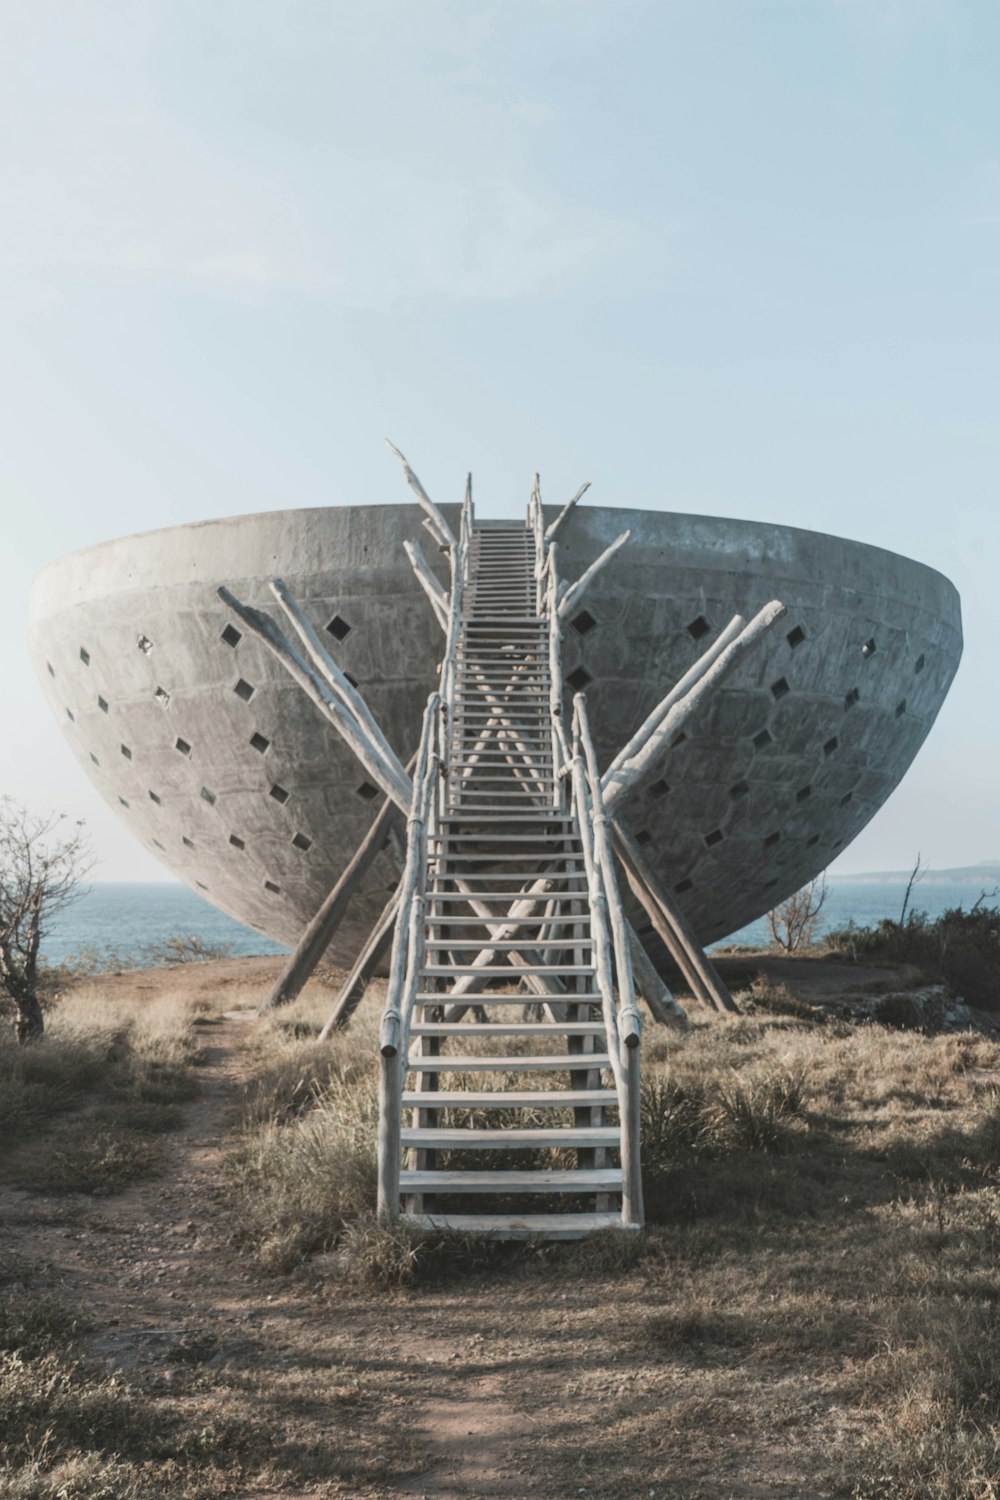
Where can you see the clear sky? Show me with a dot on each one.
(732, 256)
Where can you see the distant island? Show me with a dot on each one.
(985, 875)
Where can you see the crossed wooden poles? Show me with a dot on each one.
(306, 658)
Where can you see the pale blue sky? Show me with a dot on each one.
(726, 256)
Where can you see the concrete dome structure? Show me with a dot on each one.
(221, 766)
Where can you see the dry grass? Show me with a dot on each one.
(86, 1102)
(812, 1311)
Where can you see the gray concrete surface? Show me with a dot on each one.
(264, 807)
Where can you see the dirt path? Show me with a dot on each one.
(151, 1271)
(148, 1266)
(673, 1380)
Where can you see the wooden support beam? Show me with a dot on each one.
(628, 771)
(375, 948)
(662, 1005)
(681, 688)
(576, 590)
(670, 922)
(385, 770)
(320, 659)
(428, 582)
(438, 524)
(552, 531)
(320, 931)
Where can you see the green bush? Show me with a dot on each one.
(960, 949)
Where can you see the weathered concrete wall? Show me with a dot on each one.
(221, 767)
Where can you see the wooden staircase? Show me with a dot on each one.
(509, 1102)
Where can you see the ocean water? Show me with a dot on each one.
(126, 919)
(866, 902)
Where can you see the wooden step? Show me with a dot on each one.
(519, 1226)
(508, 1028)
(593, 1180)
(481, 971)
(506, 945)
(576, 1062)
(494, 997)
(430, 1138)
(510, 1099)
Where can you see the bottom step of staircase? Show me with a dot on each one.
(520, 1226)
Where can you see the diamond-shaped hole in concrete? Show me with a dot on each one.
(739, 790)
(847, 797)
(920, 663)
(683, 885)
(698, 628)
(201, 885)
(244, 690)
(811, 841)
(302, 841)
(780, 688)
(159, 845)
(869, 648)
(186, 841)
(208, 796)
(278, 793)
(153, 797)
(144, 643)
(643, 836)
(102, 704)
(762, 739)
(182, 746)
(338, 628)
(771, 840)
(583, 622)
(795, 637)
(715, 837)
(803, 794)
(851, 698)
(831, 745)
(50, 668)
(269, 885)
(259, 742)
(85, 656)
(71, 715)
(900, 708)
(123, 802)
(94, 758)
(367, 791)
(659, 788)
(678, 739)
(232, 636)
(126, 752)
(578, 679)
(162, 697)
(236, 841)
